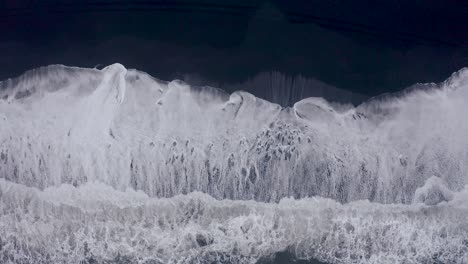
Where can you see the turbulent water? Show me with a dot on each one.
(114, 166)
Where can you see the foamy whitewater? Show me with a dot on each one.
(114, 166)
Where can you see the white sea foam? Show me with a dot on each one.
(94, 222)
(87, 157)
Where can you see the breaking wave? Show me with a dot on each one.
(112, 165)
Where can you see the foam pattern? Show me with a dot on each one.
(114, 165)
